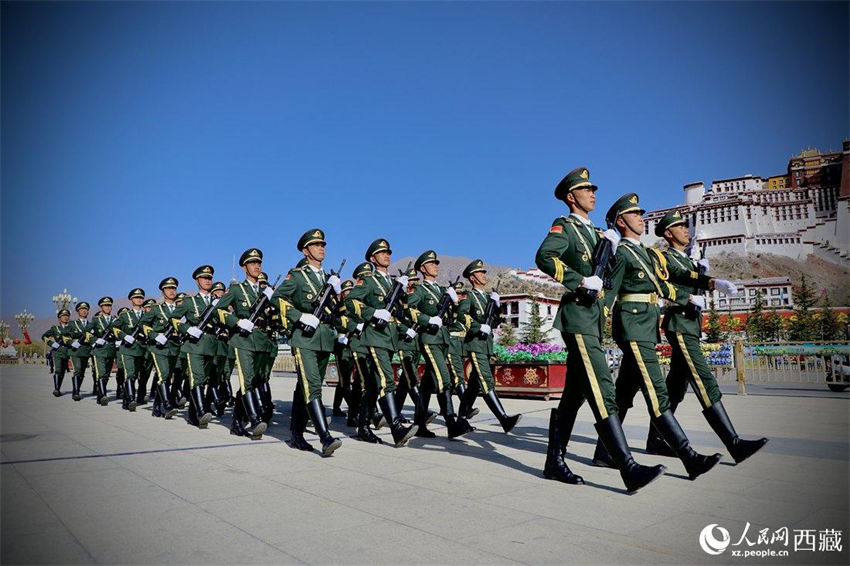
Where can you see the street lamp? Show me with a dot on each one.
(24, 320)
(4, 331)
(62, 300)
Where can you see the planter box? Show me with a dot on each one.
(530, 379)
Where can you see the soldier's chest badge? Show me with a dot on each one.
(432, 302)
(585, 257)
(641, 275)
(309, 296)
(244, 303)
(380, 297)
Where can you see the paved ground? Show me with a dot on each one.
(88, 484)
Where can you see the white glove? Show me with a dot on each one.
(55, 345)
(594, 283)
(436, 321)
(195, 332)
(697, 301)
(75, 344)
(411, 333)
(160, 339)
(726, 287)
(704, 263)
(342, 340)
(612, 236)
(245, 325)
(267, 292)
(308, 319)
(382, 314)
(452, 294)
(485, 329)
(359, 327)
(334, 282)
(100, 342)
(495, 298)
(402, 279)
(129, 339)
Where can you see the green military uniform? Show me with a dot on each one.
(364, 390)
(683, 327)
(409, 354)
(344, 365)
(164, 349)
(198, 348)
(270, 335)
(380, 336)
(434, 339)
(132, 351)
(313, 339)
(179, 382)
(250, 349)
(58, 339)
(638, 280)
(221, 368)
(477, 348)
(566, 254)
(119, 363)
(147, 366)
(454, 354)
(104, 349)
(80, 349)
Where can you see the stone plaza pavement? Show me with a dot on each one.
(83, 483)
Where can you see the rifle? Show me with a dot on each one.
(392, 299)
(700, 272)
(600, 261)
(106, 328)
(491, 313)
(259, 306)
(320, 305)
(442, 308)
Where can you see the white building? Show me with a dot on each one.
(804, 212)
(516, 310)
(775, 292)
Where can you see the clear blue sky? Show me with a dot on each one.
(142, 140)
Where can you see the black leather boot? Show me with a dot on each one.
(177, 393)
(298, 422)
(695, 464)
(102, 397)
(364, 433)
(119, 384)
(317, 415)
(203, 416)
(495, 405)
(339, 396)
(353, 407)
(214, 400)
(738, 448)
(467, 400)
(655, 444)
(236, 427)
(142, 393)
(555, 467)
(253, 411)
(57, 383)
(130, 393)
(265, 394)
(635, 476)
(601, 457)
(401, 434)
(231, 399)
(76, 380)
(455, 426)
(166, 404)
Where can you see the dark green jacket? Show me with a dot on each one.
(98, 326)
(296, 295)
(123, 326)
(365, 298)
(192, 309)
(240, 297)
(685, 277)
(470, 312)
(566, 255)
(423, 303)
(81, 332)
(61, 335)
(158, 321)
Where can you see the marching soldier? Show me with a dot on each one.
(682, 327)
(434, 340)
(221, 368)
(345, 368)
(80, 347)
(271, 353)
(199, 348)
(249, 348)
(178, 376)
(454, 354)
(638, 280)
(128, 328)
(364, 393)
(165, 347)
(103, 351)
(58, 338)
(119, 363)
(566, 254)
(367, 302)
(312, 339)
(147, 368)
(478, 346)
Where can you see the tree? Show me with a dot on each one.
(755, 320)
(508, 337)
(826, 322)
(802, 326)
(532, 333)
(713, 329)
(773, 326)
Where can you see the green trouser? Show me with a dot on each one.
(589, 378)
(454, 357)
(310, 365)
(219, 366)
(199, 368)
(640, 369)
(381, 367)
(102, 366)
(480, 371)
(436, 369)
(79, 363)
(409, 361)
(249, 366)
(164, 366)
(133, 365)
(688, 364)
(119, 360)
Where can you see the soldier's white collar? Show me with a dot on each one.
(585, 221)
(632, 240)
(680, 251)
